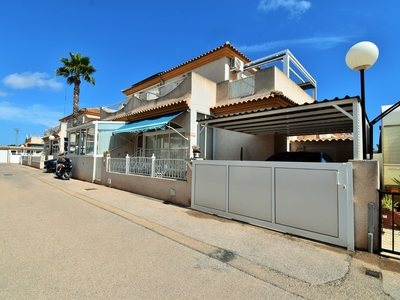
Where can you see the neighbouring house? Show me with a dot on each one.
(339, 146)
(54, 140)
(87, 139)
(33, 145)
(391, 148)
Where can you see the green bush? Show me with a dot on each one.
(387, 202)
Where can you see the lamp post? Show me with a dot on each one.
(51, 138)
(361, 57)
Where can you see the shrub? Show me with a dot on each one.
(387, 202)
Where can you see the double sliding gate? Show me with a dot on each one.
(312, 200)
(389, 222)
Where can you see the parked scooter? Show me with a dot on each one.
(64, 168)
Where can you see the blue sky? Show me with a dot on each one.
(128, 41)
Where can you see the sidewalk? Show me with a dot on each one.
(302, 267)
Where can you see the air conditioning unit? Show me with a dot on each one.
(236, 64)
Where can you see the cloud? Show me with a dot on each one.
(321, 43)
(294, 7)
(33, 114)
(29, 80)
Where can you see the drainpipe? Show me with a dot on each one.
(371, 226)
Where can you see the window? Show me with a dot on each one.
(82, 142)
(167, 145)
(72, 142)
(391, 144)
(90, 141)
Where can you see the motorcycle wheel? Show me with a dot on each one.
(66, 175)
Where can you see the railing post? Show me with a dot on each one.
(153, 165)
(127, 164)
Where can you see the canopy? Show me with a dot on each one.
(147, 125)
(336, 116)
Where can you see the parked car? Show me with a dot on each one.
(301, 156)
(50, 165)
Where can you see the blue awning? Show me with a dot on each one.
(147, 125)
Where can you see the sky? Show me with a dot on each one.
(128, 41)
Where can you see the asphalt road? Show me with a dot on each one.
(55, 246)
(76, 240)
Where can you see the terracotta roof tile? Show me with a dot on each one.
(90, 111)
(226, 44)
(199, 57)
(262, 101)
(253, 98)
(152, 106)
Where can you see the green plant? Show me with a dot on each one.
(387, 202)
(397, 181)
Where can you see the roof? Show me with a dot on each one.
(225, 50)
(328, 116)
(84, 111)
(152, 109)
(263, 100)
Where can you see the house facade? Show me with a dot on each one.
(162, 110)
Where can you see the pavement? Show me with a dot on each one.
(303, 268)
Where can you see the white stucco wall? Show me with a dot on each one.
(216, 71)
(290, 89)
(203, 97)
(390, 140)
(227, 145)
(82, 167)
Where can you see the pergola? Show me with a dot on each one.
(329, 116)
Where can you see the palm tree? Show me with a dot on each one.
(75, 68)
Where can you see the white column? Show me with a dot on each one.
(193, 131)
(357, 132)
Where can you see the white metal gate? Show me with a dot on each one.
(3, 156)
(15, 158)
(312, 200)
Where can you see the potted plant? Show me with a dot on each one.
(390, 211)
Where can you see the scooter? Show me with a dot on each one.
(64, 168)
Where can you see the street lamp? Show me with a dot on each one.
(361, 57)
(51, 138)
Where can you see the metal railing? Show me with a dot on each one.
(175, 153)
(389, 221)
(148, 166)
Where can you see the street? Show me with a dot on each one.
(74, 239)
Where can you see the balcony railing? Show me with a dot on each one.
(242, 87)
(148, 166)
(156, 92)
(175, 153)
